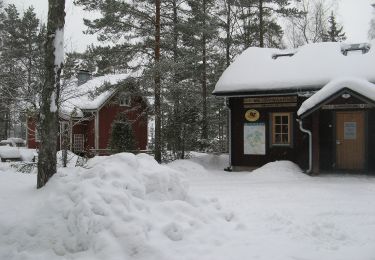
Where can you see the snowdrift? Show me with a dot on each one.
(123, 206)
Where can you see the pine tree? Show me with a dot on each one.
(12, 72)
(335, 32)
(32, 37)
(51, 91)
(134, 24)
(259, 21)
(122, 136)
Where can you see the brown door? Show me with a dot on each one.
(350, 140)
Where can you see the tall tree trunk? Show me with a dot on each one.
(50, 92)
(178, 143)
(157, 84)
(229, 39)
(261, 24)
(204, 77)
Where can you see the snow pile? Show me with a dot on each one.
(279, 170)
(360, 86)
(312, 66)
(212, 161)
(120, 207)
(27, 155)
(72, 159)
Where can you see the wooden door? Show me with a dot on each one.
(350, 140)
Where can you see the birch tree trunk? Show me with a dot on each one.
(51, 91)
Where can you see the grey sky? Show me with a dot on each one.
(355, 15)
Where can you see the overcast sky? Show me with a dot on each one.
(355, 16)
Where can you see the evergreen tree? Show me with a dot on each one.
(32, 37)
(259, 23)
(335, 32)
(122, 136)
(136, 25)
(12, 77)
(200, 36)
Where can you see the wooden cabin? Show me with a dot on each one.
(314, 106)
(87, 110)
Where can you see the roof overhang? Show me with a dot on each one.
(335, 96)
(271, 92)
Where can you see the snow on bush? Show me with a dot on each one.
(118, 207)
(71, 159)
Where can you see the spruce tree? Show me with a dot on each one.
(12, 73)
(135, 24)
(335, 31)
(122, 136)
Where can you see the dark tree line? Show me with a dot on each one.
(21, 66)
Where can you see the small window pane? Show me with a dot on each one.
(277, 119)
(277, 129)
(277, 138)
(285, 139)
(285, 119)
(285, 129)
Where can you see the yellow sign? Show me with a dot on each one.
(252, 115)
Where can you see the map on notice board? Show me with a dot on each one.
(254, 138)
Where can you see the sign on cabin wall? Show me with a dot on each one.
(347, 106)
(252, 115)
(277, 101)
(350, 130)
(254, 138)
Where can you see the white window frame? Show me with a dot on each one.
(36, 135)
(281, 124)
(125, 100)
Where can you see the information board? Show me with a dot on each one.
(254, 138)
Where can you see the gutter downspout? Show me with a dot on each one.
(229, 135)
(310, 144)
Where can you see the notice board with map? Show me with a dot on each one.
(254, 138)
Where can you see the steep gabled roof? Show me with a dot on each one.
(84, 97)
(359, 86)
(309, 67)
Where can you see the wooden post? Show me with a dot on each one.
(315, 143)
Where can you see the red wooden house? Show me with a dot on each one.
(88, 108)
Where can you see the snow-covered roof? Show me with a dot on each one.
(83, 97)
(310, 66)
(357, 85)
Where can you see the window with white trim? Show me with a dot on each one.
(36, 135)
(125, 99)
(281, 129)
(78, 143)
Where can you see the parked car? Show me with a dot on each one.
(9, 149)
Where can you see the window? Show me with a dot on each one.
(124, 99)
(78, 143)
(281, 128)
(36, 135)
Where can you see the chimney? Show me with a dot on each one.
(83, 76)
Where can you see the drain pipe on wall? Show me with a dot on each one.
(229, 135)
(310, 144)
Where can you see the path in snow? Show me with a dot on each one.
(289, 215)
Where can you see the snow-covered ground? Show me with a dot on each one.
(129, 207)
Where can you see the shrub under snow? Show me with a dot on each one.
(118, 207)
